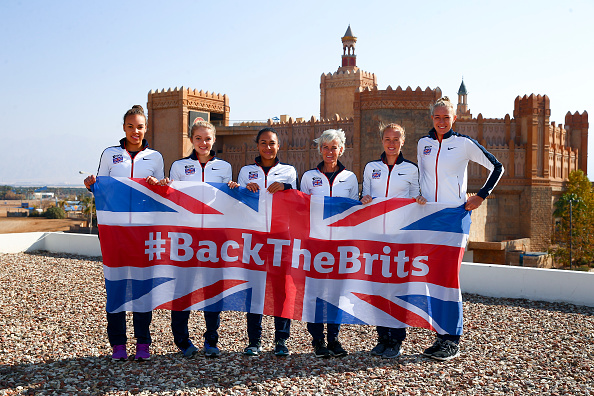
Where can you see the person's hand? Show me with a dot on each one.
(253, 187)
(231, 184)
(152, 180)
(276, 186)
(421, 200)
(473, 202)
(366, 199)
(165, 181)
(89, 181)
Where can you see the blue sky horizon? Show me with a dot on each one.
(70, 70)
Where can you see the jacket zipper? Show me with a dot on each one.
(388, 184)
(436, 177)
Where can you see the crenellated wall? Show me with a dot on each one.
(296, 142)
(168, 120)
(337, 91)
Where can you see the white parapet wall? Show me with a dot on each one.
(540, 284)
(56, 242)
(484, 279)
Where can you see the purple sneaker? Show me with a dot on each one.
(119, 352)
(142, 352)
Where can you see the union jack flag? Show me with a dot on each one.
(203, 246)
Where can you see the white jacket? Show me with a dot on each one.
(345, 183)
(116, 162)
(190, 169)
(282, 173)
(400, 182)
(443, 167)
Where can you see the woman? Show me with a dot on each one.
(391, 176)
(269, 174)
(132, 158)
(201, 165)
(443, 158)
(330, 179)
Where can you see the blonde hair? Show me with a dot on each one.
(443, 102)
(200, 123)
(329, 135)
(393, 125)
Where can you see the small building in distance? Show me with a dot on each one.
(537, 153)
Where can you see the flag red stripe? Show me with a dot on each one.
(372, 211)
(199, 295)
(395, 310)
(182, 199)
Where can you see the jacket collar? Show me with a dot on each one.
(194, 156)
(320, 167)
(399, 160)
(123, 144)
(259, 161)
(433, 134)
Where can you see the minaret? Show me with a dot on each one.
(337, 90)
(349, 59)
(462, 110)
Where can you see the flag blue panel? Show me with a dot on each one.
(124, 290)
(330, 313)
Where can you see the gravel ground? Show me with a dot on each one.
(53, 341)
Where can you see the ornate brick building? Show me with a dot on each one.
(537, 153)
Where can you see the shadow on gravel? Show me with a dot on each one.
(529, 304)
(170, 372)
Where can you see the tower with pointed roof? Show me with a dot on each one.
(349, 59)
(462, 110)
(337, 90)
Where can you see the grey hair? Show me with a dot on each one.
(329, 135)
(393, 125)
(202, 124)
(443, 102)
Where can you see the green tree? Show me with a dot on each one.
(55, 212)
(579, 197)
(89, 207)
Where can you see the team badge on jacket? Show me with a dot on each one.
(118, 158)
(316, 181)
(376, 174)
(253, 175)
(427, 150)
(190, 170)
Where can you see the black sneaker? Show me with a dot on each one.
(433, 348)
(320, 349)
(280, 349)
(379, 349)
(336, 349)
(447, 350)
(393, 350)
(254, 348)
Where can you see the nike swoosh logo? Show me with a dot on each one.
(451, 148)
(148, 159)
(341, 181)
(401, 174)
(276, 174)
(215, 168)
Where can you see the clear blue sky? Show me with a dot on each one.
(70, 69)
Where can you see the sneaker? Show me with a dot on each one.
(142, 352)
(448, 350)
(320, 349)
(190, 350)
(253, 349)
(379, 349)
(393, 350)
(211, 350)
(433, 348)
(336, 349)
(280, 349)
(119, 352)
